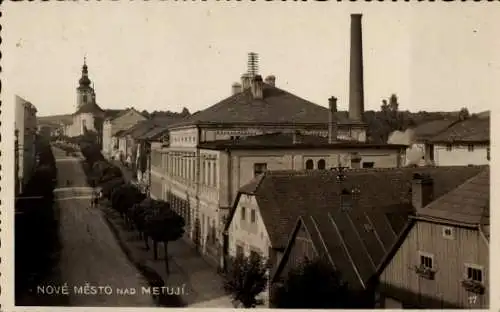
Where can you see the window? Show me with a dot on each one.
(448, 147)
(474, 273)
(368, 164)
(243, 213)
(309, 164)
(488, 153)
(470, 147)
(259, 168)
(84, 98)
(252, 216)
(426, 260)
(345, 200)
(448, 232)
(321, 164)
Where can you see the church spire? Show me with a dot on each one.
(84, 80)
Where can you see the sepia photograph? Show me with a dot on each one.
(265, 155)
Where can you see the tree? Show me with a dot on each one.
(108, 186)
(124, 197)
(138, 214)
(312, 285)
(246, 278)
(165, 226)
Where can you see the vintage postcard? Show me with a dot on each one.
(264, 155)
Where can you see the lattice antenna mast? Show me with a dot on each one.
(253, 64)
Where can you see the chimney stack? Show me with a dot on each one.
(257, 91)
(355, 161)
(236, 88)
(422, 190)
(271, 80)
(246, 81)
(356, 89)
(332, 122)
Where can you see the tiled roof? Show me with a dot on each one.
(472, 130)
(277, 107)
(90, 108)
(153, 133)
(285, 140)
(357, 240)
(432, 128)
(142, 127)
(283, 196)
(113, 113)
(55, 119)
(469, 203)
(139, 128)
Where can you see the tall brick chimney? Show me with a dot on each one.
(257, 85)
(332, 122)
(356, 89)
(422, 190)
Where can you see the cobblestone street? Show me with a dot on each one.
(90, 253)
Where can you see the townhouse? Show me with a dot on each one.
(441, 260)
(465, 143)
(112, 125)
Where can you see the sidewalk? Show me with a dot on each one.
(202, 285)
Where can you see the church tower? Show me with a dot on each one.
(84, 93)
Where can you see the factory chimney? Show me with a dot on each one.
(356, 89)
(332, 122)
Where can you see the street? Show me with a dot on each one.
(90, 253)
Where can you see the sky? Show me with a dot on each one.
(169, 55)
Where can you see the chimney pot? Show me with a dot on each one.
(257, 90)
(236, 88)
(332, 122)
(246, 81)
(271, 80)
(422, 190)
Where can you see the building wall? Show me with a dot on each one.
(449, 259)
(250, 236)
(125, 121)
(461, 155)
(187, 137)
(26, 128)
(344, 132)
(107, 141)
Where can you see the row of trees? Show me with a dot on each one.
(152, 219)
(36, 225)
